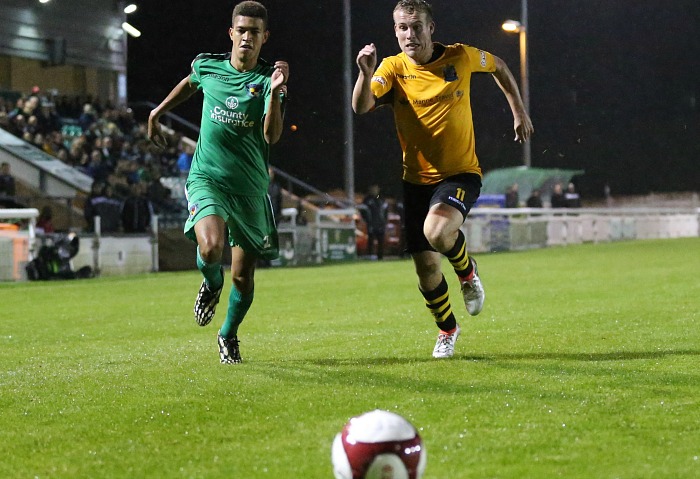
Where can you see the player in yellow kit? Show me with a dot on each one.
(427, 85)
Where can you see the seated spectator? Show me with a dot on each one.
(48, 118)
(54, 143)
(17, 125)
(184, 161)
(97, 168)
(32, 125)
(109, 151)
(87, 117)
(62, 155)
(30, 106)
(17, 110)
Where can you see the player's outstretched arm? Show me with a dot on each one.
(177, 95)
(274, 119)
(362, 98)
(521, 120)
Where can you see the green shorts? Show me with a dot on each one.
(250, 221)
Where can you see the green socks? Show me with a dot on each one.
(211, 272)
(238, 305)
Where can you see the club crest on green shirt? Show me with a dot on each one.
(254, 89)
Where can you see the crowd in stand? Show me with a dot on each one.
(104, 142)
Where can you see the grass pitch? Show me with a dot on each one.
(583, 364)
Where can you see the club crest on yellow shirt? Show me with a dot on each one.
(450, 73)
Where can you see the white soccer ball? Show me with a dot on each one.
(378, 445)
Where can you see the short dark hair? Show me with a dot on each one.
(250, 9)
(411, 6)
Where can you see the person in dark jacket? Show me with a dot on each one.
(534, 200)
(558, 199)
(376, 214)
(7, 181)
(137, 210)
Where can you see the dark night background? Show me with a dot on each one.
(614, 84)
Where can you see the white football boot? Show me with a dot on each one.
(473, 292)
(445, 346)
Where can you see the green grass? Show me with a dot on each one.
(583, 364)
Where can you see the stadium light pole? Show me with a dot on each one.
(513, 26)
(347, 81)
(127, 29)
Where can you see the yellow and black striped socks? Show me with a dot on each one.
(459, 258)
(438, 303)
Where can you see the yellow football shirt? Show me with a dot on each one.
(432, 111)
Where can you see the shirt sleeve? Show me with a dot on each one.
(194, 73)
(383, 79)
(268, 92)
(480, 60)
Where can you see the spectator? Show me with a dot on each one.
(17, 110)
(158, 194)
(120, 185)
(44, 224)
(376, 214)
(274, 191)
(87, 117)
(89, 209)
(535, 200)
(512, 196)
(137, 210)
(608, 195)
(48, 118)
(573, 200)
(32, 125)
(109, 152)
(97, 168)
(558, 199)
(54, 143)
(30, 106)
(184, 161)
(17, 125)
(108, 208)
(7, 181)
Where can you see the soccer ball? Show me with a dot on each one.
(378, 445)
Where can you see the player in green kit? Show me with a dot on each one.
(227, 185)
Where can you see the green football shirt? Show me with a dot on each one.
(231, 149)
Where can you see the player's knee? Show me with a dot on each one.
(210, 250)
(242, 282)
(438, 236)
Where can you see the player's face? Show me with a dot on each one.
(414, 33)
(248, 35)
